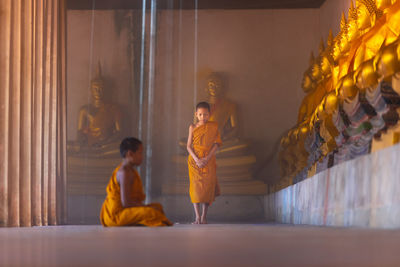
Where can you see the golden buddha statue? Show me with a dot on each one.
(372, 30)
(348, 88)
(311, 85)
(99, 123)
(327, 62)
(366, 77)
(328, 130)
(388, 61)
(340, 51)
(223, 111)
(308, 83)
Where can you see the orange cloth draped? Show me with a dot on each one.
(113, 213)
(203, 181)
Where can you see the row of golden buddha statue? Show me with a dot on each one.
(350, 93)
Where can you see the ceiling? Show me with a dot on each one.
(190, 4)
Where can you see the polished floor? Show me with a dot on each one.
(202, 245)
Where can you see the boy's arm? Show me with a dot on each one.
(190, 148)
(213, 151)
(125, 179)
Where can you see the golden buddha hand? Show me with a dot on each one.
(320, 110)
(348, 90)
(331, 103)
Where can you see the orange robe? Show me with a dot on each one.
(203, 181)
(114, 214)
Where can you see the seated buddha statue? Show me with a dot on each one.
(224, 112)
(99, 122)
(371, 25)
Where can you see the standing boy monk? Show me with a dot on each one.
(203, 142)
(124, 203)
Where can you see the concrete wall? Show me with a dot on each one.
(362, 192)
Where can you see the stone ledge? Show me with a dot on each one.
(363, 192)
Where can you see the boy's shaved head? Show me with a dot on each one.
(203, 105)
(129, 143)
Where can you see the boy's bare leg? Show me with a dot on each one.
(197, 212)
(204, 213)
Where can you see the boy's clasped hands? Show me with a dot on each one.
(202, 162)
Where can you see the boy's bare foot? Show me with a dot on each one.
(197, 221)
(203, 221)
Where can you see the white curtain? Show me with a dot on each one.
(32, 112)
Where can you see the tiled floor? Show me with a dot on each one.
(204, 245)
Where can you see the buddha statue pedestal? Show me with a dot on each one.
(241, 196)
(92, 158)
(88, 175)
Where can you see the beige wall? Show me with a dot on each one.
(91, 37)
(263, 54)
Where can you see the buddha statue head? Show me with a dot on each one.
(327, 62)
(214, 85)
(285, 141)
(316, 73)
(352, 26)
(348, 88)
(388, 60)
(366, 76)
(308, 82)
(97, 85)
(336, 48)
(344, 44)
(367, 14)
(340, 43)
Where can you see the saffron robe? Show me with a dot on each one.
(114, 214)
(203, 181)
